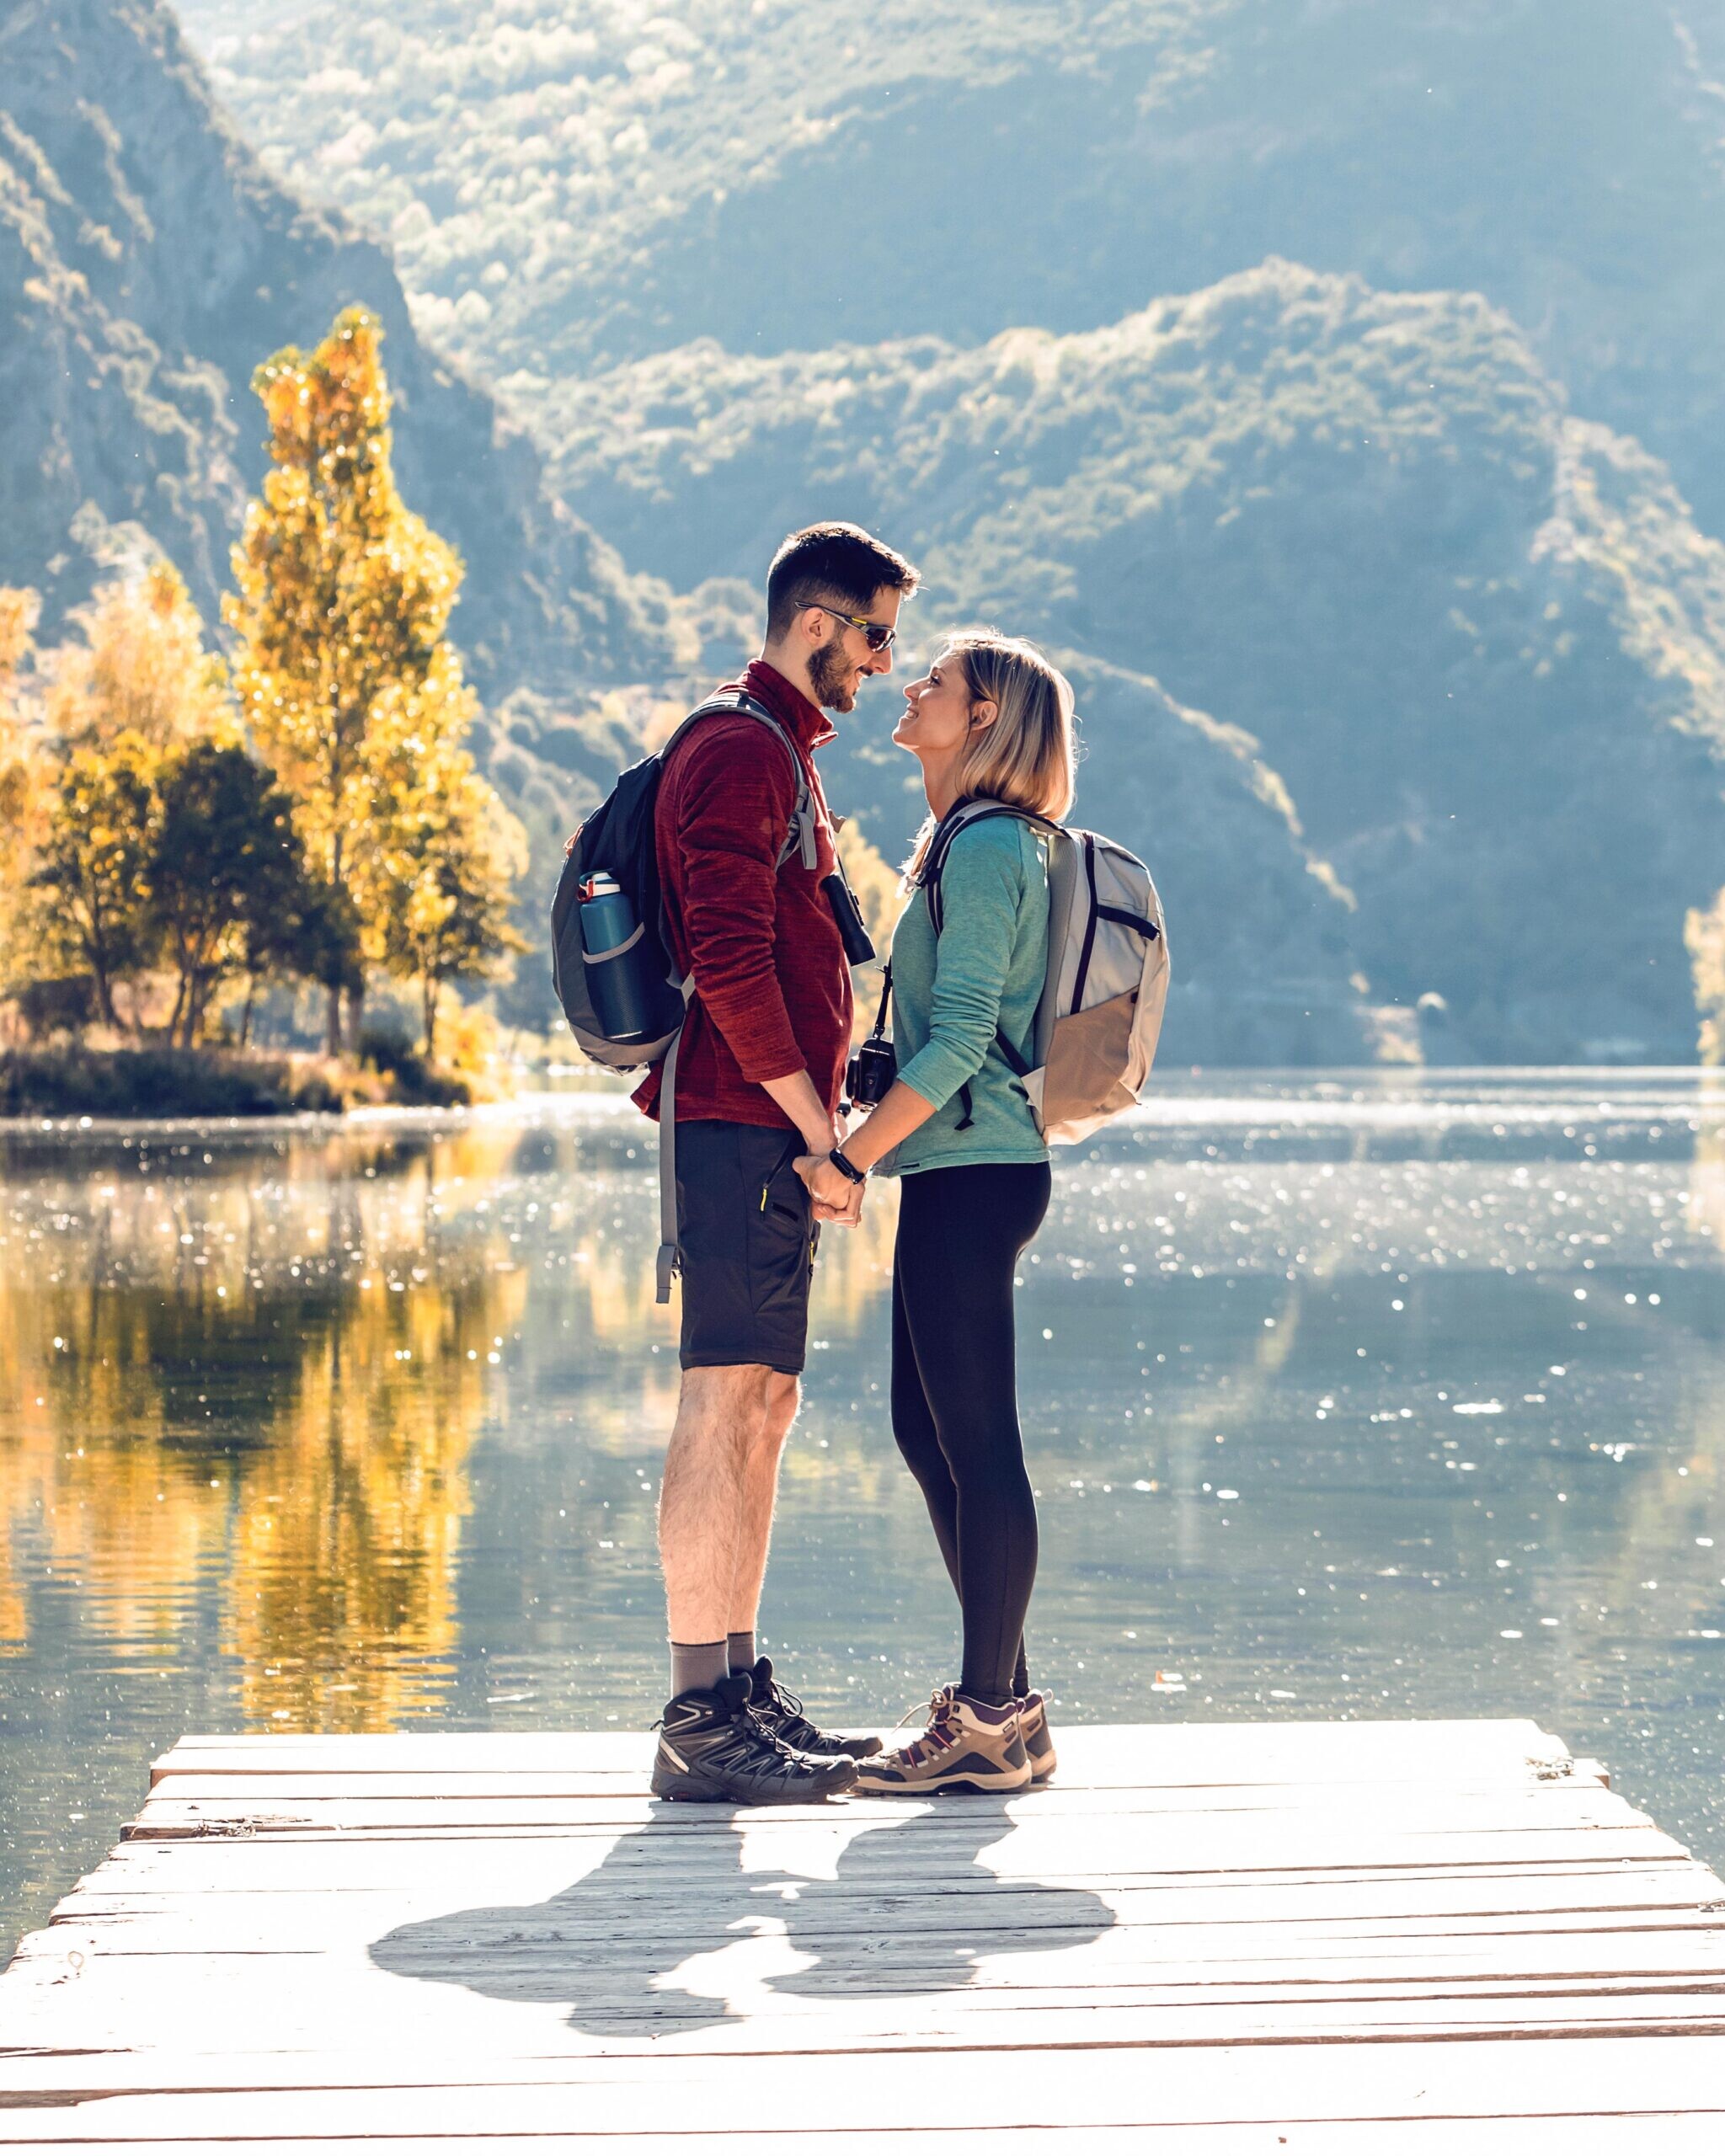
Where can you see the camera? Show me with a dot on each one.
(870, 1072)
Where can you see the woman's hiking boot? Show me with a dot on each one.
(780, 1713)
(966, 1746)
(713, 1750)
(1039, 1745)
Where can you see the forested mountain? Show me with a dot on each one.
(569, 180)
(1396, 486)
(1478, 638)
(148, 265)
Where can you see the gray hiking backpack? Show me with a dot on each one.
(1106, 983)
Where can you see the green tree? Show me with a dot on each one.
(343, 597)
(227, 874)
(93, 868)
(315, 938)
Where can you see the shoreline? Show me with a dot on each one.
(1368, 1096)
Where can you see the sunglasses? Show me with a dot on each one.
(881, 635)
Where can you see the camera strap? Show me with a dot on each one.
(886, 997)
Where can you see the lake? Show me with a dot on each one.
(1381, 1393)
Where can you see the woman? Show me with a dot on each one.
(991, 721)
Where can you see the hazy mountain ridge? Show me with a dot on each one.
(1478, 637)
(635, 120)
(570, 183)
(147, 264)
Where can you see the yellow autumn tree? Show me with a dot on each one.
(129, 696)
(1704, 931)
(439, 882)
(139, 667)
(23, 791)
(343, 598)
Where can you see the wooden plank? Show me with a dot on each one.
(550, 1858)
(1506, 1895)
(219, 1923)
(238, 1792)
(1277, 1842)
(311, 2014)
(1445, 1738)
(1093, 1754)
(1004, 1954)
(1664, 2133)
(1214, 1928)
(1463, 2079)
(408, 1801)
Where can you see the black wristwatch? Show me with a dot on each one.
(848, 1168)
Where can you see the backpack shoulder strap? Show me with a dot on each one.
(800, 840)
(959, 818)
(800, 836)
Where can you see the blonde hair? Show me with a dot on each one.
(1027, 757)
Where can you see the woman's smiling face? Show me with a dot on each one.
(939, 709)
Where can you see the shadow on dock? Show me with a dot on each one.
(670, 1934)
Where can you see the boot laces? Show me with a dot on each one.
(787, 1709)
(942, 1734)
(750, 1716)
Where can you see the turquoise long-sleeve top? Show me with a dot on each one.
(949, 994)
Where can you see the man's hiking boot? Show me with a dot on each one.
(713, 1750)
(966, 1746)
(1039, 1745)
(780, 1713)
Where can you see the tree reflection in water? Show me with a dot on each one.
(260, 1383)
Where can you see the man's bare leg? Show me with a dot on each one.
(719, 1413)
(761, 1464)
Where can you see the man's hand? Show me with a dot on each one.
(836, 1197)
(796, 1096)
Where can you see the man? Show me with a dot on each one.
(758, 1081)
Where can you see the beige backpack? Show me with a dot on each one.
(1106, 983)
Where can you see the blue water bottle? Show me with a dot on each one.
(617, 960)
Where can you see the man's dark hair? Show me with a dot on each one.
(836, 562)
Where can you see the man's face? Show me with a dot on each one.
(838, 668)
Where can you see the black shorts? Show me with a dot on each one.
(747, 1235)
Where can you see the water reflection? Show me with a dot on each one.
(268, 1382)
(1400, 1395)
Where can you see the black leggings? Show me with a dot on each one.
(961, 1231)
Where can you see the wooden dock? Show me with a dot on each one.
(1350, 1939)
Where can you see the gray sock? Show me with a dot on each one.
(740, 1646)
(699, 1668)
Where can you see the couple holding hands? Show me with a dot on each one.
(762, 1160)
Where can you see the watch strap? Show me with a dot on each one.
(846, 1166)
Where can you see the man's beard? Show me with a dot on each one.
(830, 676)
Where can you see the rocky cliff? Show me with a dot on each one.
(147, 263)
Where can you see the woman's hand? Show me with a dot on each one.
(836, 1196)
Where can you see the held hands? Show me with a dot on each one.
(836, 1197)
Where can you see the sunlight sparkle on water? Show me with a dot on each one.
(1361, 1395)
